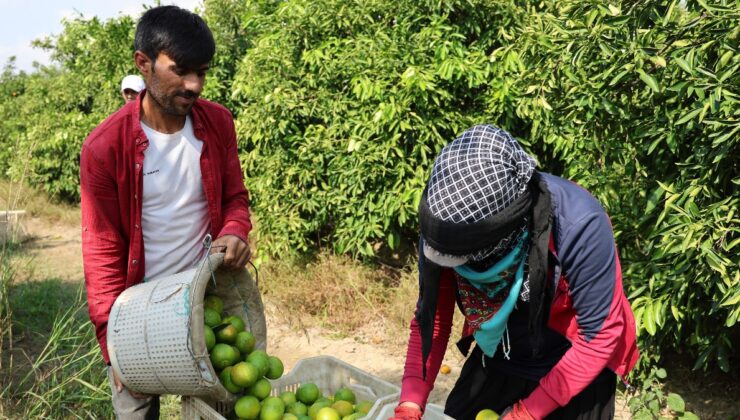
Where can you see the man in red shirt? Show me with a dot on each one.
(157, 177)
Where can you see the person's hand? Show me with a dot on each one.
(236, 252)
(518, 411)
(120, 387)
(407, 411)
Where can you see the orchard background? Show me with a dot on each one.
(341, 107)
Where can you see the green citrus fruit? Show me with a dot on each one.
(247, 407)
(271, 413)
(289, 416)
(274, 368)
(226, 334)
(213, 303)
(297, 408)
(313, 410)
(307, 393)
(222, 355)
(274, 402)
(244, 374)
(486, 414)
(343, 408)
(363, 407)
(234, 320)
(261, 389)
(211, 317)
(245, 342)
(304, 417)
(344, 394)
(209, 336)
(236, 356)
(288, 398)
(327, 413)
(225, 377)
(260, 359)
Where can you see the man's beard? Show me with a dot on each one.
(167, 102)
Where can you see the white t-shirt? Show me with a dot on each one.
(174, 217)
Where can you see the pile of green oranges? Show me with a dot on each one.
(306, 403)
(246, 372)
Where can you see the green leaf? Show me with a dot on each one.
(661, 373)
(648, 320)
(688, 415)
(649, 81)
(722, 360)
(685, 66)
(688, 116)
(676, 403)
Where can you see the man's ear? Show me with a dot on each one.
(143, 63)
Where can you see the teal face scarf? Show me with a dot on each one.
(489, 335)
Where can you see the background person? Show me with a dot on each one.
(156, 177)
(530, 260)
(131, 85)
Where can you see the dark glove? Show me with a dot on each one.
(406, 413)
(518, 411)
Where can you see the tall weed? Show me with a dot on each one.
(66, 379)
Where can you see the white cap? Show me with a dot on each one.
(132, 82)
(442, 260)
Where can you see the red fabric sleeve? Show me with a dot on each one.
(413, 387)
(577, 369)
(595, 287)
(235, 199)
(104, 250)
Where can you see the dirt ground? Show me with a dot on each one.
(56, 252)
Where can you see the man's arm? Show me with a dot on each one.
(104, 250)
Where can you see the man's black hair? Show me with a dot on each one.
(179, 33)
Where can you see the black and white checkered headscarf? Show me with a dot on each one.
(477, 175)
(483, 192)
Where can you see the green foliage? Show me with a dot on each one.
(650, 401)
(52, 111)
(67, 378)
(636, 101)
(349, 102)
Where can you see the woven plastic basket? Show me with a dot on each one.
(155, 329)
(328, 373)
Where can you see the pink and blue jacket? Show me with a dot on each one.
(589, 307)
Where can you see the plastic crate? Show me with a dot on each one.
(328, 373)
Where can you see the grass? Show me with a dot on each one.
(341, 295)
(65, 378)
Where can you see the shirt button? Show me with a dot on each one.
(136, 196)
(134, 262)
(136, 226)
(138, 166)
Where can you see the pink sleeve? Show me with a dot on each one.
(580, 364)
(413, 387)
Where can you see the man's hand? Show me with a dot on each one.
(237, 252)
(120, 387)
(407, 411)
